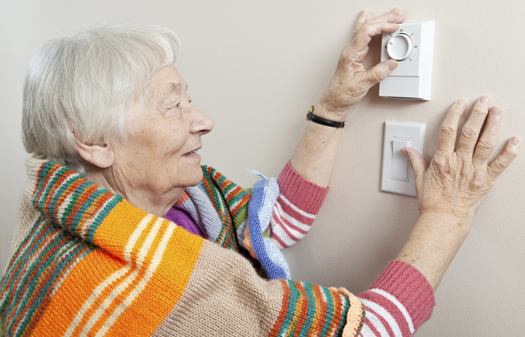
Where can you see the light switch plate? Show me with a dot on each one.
(397, 134)
(412, 78)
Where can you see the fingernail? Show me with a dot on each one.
(362, 15)
(461, 103)
(485, 100)
(392, 65)
(496, 111)
(404, 151)
(515, 141)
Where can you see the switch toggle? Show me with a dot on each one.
(397, 175)
(400, 167)
(399, 47)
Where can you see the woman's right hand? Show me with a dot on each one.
(458, 179)
(453, 186)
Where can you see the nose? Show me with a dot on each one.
(201, 124)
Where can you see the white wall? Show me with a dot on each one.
(256, 67)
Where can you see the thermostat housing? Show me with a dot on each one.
(412, 45)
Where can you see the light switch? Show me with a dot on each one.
(413, 47)
(400, 167)
(397, 176)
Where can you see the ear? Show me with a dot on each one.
(101, 156)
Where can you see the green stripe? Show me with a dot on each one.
(342, 322)
(215, 197)
(227, 220)
(228, 185)
(44, 170)
(60, 267)
(309, 290)
(220, 206)
(40, 265)
(77, 219)
(48, 188)
(35, 245)
(292, 303)
(329, 310)
(25, 244)
(62, 218)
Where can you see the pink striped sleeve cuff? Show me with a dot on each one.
(304, 194)
(295, 208)
(398, 303)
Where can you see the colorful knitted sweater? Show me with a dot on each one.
(85, 262)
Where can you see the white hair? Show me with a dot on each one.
(81, 85)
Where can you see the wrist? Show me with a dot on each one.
(464, 218)
(325, 110)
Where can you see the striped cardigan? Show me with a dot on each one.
(85, 262)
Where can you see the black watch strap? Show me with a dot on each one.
(323, 121)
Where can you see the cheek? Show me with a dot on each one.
(175, 142)
(166, 141)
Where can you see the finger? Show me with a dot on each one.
(362, 36)
(487, 141)
(379, 72)
(368, 31)
(359, 57)
(418, 164)
(394, 16)
(360, 20)
(449, 128)
(504, 159)
(470, 132)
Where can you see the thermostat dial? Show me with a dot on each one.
(399, 47)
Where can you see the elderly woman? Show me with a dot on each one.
(123, 233)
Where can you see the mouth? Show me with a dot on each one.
(193, 152)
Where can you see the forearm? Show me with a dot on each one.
(433, 244)
(314, 156)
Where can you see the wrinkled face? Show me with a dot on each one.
(164, 134)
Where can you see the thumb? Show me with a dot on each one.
(378, 73)
(418, 164)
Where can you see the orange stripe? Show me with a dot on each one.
(303, 308)
(78, 205)
(54, 188)
(296, 314)
(76, 288)
(165, 288)
(277, 326)
(320, 311)
(93, 210)
(114, 232)
(185, 197)
(337, 312)
(137, 279)
(241, 203)
(47, 178)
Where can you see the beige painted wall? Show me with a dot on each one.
(255, 67)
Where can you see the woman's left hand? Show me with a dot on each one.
(351, 80)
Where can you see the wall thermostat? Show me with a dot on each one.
(412, 45)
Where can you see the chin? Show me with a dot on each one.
(195, 178)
